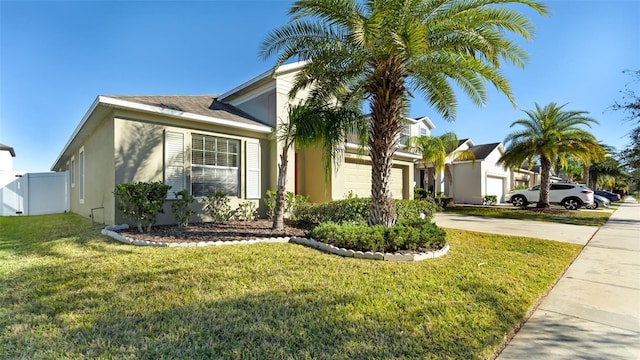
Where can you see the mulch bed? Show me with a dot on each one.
(229, 231)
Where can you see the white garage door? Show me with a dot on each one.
(357, 178)
(495, 186)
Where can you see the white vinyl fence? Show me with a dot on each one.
(33, 193)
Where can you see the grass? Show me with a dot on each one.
(588, 218)
(68, 292)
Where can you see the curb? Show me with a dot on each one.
(111, 231)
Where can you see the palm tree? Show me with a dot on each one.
(550, 134)
(310, 124)
(382, 51)
(436, 149)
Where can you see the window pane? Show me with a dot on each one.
(214, 165)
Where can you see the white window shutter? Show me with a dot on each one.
(252, 167)
(174, 162)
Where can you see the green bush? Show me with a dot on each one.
(408, 235)
(181, 207)
(216, 205)
(141, 202)
(246, 211)
(356, 210)
(292, 203)
(421, 194)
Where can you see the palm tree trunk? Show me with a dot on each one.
(585, 173)
(386, 122)
(278, 211)
(545, 183)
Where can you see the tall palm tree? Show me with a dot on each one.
(382, 51)
(436, 149)
(550, 134)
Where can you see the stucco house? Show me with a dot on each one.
(468, 181)
(209, 143)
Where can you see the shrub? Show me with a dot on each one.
(356, 210)
(407, 235)
(292, 203)
(141, 202)
(181, 207)
(490, 200)
(216, 205)
(246, 211)
(421, 194)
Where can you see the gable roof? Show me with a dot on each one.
(9, 149)
(205, 105)
(483, 150)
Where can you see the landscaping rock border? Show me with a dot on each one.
(111, 231)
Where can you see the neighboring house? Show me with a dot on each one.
(529, 177)
(468, 181)
(209, 143)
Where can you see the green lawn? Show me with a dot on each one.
(580, 217)
(68, 292)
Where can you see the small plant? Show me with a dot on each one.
(292, 203)
(421, 194)
(246, 211)
(216, 205)
(490, 200)
(520, 187)
(141, 202)
(270, 202)
(181, 207)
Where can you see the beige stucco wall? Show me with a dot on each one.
(98, 174)
(139, 155)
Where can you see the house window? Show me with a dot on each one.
(214, 165)
(72, 172)
(81, 166)
(405, 133)
(423, 131)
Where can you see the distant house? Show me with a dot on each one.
(209, 143)
(468, 181)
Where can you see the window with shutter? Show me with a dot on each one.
(174, 161)
(252, 161)
(214, 165)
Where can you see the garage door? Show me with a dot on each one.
(357, 178)
(495, 186)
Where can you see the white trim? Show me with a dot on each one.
(396, 153)
(118, 103)
(251, 96)
(72, 170)
(86, 116)
(82, 167)
(269, 73)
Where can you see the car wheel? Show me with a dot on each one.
(592, 206)
(519, 201)
(572, 204)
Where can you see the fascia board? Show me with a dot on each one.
(265, 75)
(123, 104)
(86, 117)
(398, 153)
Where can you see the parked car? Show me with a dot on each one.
(608, 194)
(598, 201)
(570, 195)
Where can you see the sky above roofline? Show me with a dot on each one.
(57, 56)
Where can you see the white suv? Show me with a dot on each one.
(571, 196)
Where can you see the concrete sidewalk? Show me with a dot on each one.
(593, 312)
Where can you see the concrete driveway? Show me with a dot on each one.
(576, 234)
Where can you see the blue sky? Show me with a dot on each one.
(57, 56)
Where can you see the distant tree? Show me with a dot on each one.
(631, 106)
(550, 134)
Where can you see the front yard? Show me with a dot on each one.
(68, 292)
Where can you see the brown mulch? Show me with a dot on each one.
(229, 231)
